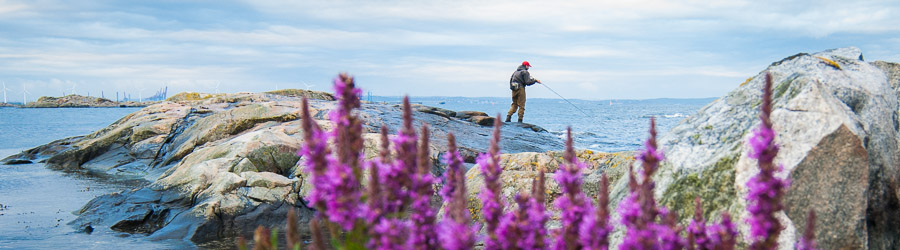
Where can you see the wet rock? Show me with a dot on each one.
(16, 161)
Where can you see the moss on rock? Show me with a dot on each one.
(714, 185)
(277, 159)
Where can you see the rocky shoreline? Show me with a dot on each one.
(219, 165)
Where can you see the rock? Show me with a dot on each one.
(520, 169)
(482, 120)
(434, 111)
(464, 115)
(265, 179)
(532, 127)
(892, 72)
(833, 170)
(219, 165)
(831, 94)
(16, 161)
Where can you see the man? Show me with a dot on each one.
(517, 83)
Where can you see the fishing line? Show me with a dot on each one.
(567, 100)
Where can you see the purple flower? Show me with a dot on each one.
(723, 235)
(423, 234)
(669, 231)
(315, 151)
(697, 228)
(639, 211)
(454, 177)
(596, 228)
(765, 190)
(493, 205)
(574, 205)
(524, 228)
(808, 242)
(341, 195)
(336, 180)
(455, 231)
(535, 229)
(376, 194)
(348, 128)
(456, 236)
(400, 174)
(392, 234)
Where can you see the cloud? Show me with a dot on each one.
(468, 47)
(582, 52)
(7, 8)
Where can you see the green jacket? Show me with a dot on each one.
(520, 78)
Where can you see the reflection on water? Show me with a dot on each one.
(39, 202)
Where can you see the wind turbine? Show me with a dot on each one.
(73, 88)
(217, 87)
(24, 95)
(4, 92)
(308, 85)
(141, 94)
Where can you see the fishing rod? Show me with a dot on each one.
(567, 100)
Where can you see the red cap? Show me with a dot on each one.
(526, 63)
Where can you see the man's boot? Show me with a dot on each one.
(508, 117)
(520, 119)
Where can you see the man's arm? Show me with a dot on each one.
(528, 79)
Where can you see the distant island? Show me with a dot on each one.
(80, 101)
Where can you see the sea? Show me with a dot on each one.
(36, 203)
(604, 125)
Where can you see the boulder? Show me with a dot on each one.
(821, 102)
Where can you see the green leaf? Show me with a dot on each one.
(357, 239)
(274, 238)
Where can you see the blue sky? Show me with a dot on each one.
(634, 49)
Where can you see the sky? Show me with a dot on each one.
(591, 49)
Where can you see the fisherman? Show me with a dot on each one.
(517, 83)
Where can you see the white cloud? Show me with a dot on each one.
(6, 7)
(582, 52)
(464, 47)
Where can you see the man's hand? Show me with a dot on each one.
(537, 81)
